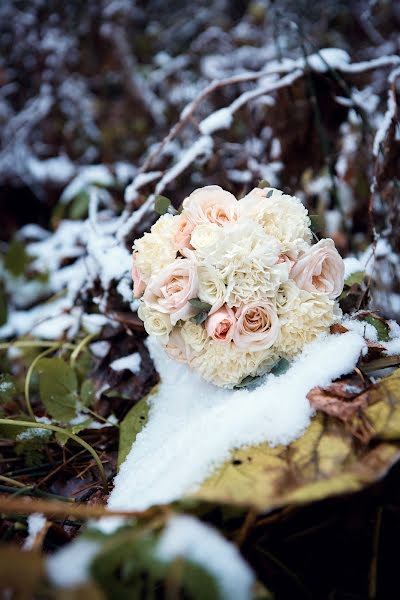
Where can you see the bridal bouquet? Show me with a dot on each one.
(232, 286)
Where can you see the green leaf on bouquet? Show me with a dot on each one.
(162, 204)
(58, 386)
(317, 223)
(263, 183)
(200, 305)
(355, 279)
(132, 424)
(329, 459)
(200, 317)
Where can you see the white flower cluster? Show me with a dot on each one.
(231, 287)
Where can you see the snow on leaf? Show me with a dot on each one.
(133, 423)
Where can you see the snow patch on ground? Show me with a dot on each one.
(187, 537)
(352, 265)
(36, 522)
(70, 566)
(193, 426)
(132, 363)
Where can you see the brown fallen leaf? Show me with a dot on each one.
(338, 401)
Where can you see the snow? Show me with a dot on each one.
(36, 522)
(327, 58)
(58, 169)
(132, 363)
(190, 434)
(361, 327)
(100, 349)
(352, 265)
(188, 538)
(388, 117)
(70, 566)
(90, 175)
(220, 119)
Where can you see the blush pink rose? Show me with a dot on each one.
(138, 284)
(183, 232)
(171, 289)
(257, 326)
(287, 258)
(211, 204)
(320, 269)
(221, 324)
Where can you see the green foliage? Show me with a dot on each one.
(381, 327)
(16, 259)
(58, 386)
(200, 305)
(161, 205)
(8, 388)
(127, 569)
(133, 423)
(355, 279)
(32, 444)
(79, 206)
(87, 393)
(3, 304)
(317, 223)
(263, 183)
(62, 438)
(200, 317)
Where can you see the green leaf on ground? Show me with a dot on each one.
(381, 327)
(58, 386)
(355, 278)
(8, 388)
(133, 423)
(16, 259)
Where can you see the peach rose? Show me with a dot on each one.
(220, 325)
(171, 289)
(176, 347)
(183, 232)
(138, 284)
(211, 204)
(257, 326)
(320, 270)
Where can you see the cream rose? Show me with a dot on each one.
(204, 236)
(320, 269)
(257, 326)
(194, 335)
(211, 204)
(171, 289)
(156, 250)
(211, 288)
(221, 325)
(155, 323)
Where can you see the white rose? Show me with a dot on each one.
(211, 204)
(211, 288)
(155, 323)
(286, 297)
(194, 335)
(203, 236)
(157, 249)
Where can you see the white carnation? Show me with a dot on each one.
(282, 216)
(287, 297)
(226, 365)
(157, 249)
(155, 323)
(246, 259)
(309, 317)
